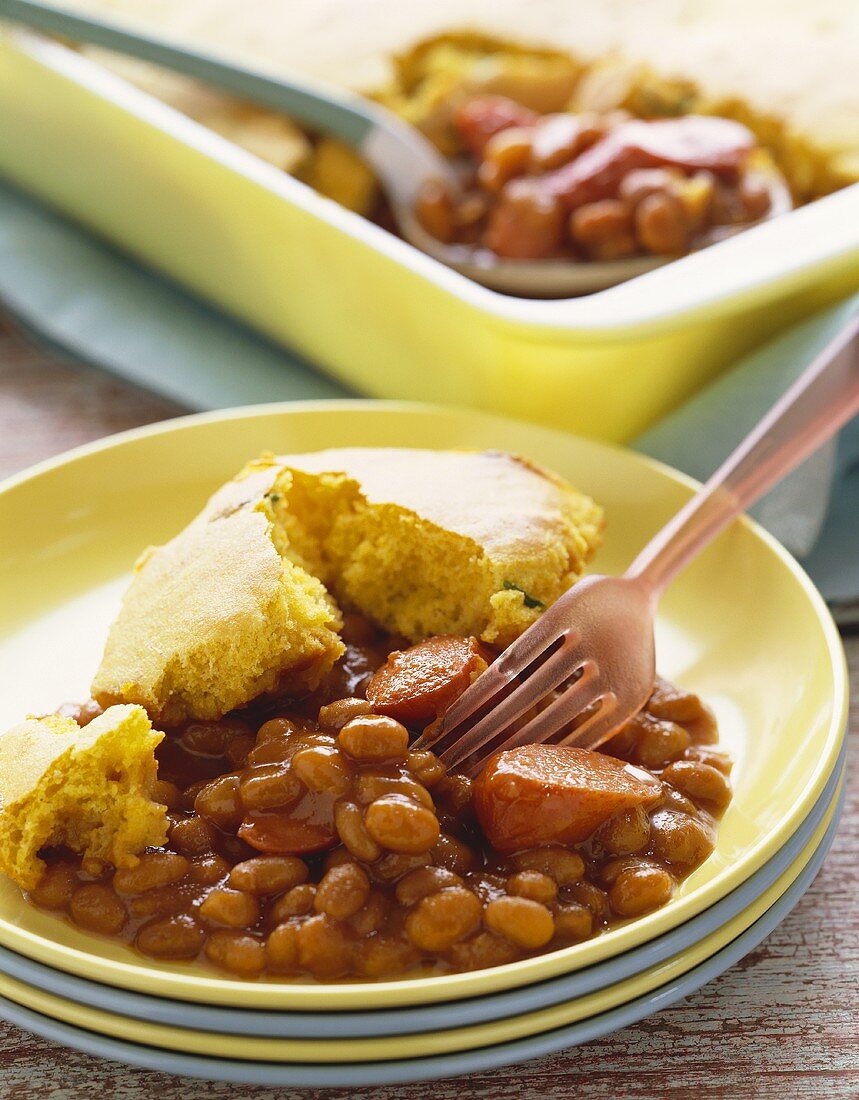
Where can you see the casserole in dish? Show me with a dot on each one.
(367, 306)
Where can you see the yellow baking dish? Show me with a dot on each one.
(365, 305)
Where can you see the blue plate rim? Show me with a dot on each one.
(426, 1018)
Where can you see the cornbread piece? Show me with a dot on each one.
(218, 615)
(337, 172)
(555, 794)
(423, 542)
(438, 542)
(88, 789)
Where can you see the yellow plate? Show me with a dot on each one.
(328, 1051)
(743, 625)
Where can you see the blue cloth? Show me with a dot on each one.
(87, 299)
(815, 511)
(78, 293)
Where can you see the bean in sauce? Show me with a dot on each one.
(307, 840)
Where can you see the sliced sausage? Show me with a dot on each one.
(484, 116)
(416, 685)
(554, 794)
(695, 143)
(306, 827)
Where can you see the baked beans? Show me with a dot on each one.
(307, 839)
(592, 187)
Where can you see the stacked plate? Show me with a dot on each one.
(743, 626)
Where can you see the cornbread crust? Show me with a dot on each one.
(88, 789)
(217, 616)
(448, 542)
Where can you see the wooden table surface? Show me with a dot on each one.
(782, 1023)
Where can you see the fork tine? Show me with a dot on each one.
(487, 685)
(514, 660)
(558, 667)
(598, 727)
(571, 702)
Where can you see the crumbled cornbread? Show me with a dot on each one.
(438, 542)
(336, 171)
(217, 615)
(88, 789)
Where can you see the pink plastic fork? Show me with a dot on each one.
(588, 662)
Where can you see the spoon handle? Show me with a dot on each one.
(820, 401)
(328, 110)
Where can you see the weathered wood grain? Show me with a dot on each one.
(784, 1023)
(48, 405)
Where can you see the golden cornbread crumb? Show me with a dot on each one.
(218, 616)
(88, 789)
(336, 171)
(437, 542)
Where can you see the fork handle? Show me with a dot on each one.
(820, 401)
